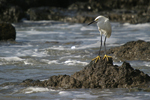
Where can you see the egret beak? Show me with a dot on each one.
(91, 22)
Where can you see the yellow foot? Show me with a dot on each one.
(96, 59)
(105, 56)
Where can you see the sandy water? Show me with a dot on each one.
(46, 48)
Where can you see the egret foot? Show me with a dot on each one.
(96, 59)
(105, 56)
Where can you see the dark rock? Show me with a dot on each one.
(106, 75)
(134, 50)
(12, 14)
(120, 11)
(26, 4)
(102, 74)
(51, 13)
(40, 13)
(78, 11)
(63, 81)
(7, 32)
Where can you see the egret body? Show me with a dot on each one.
(104, 28)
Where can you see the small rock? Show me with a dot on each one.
(7, 32)
(134, 50)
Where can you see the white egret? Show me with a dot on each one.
(104, 28)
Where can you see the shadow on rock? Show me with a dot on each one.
(102, 74)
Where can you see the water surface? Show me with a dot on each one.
(46, 48)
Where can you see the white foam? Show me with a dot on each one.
(65, 93)
(128, 98)
(32, 52)
(34, 90)
(60, 61)
(86, 96)
(75, 26)
(140, 63)
(95, 45)
(28, 63)
(53, 62)
(44, 79)
(89, 28)
(42, 21)
(58, 48)
(11, 58)
(137, 26)
(34, 32)
(77, 56)
(32, 61)
(73, 47)
(7, 87)
(76, 94)
(146, 63)
(74, 62)
(147, 94)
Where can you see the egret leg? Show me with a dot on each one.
(106, 56)
(100, 46)
(105, 45)
(98, 57)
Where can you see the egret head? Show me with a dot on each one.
(97, 19)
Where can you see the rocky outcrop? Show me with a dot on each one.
(132, 11)
(52, 13)
(7, 32)
(134, 50)
(102, 74)
(79, 11)
(9, 12)
(12, 14)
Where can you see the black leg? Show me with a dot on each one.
(100, 46)
(105, 44)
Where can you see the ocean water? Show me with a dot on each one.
(46, 48)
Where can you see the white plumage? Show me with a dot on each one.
(103, 25)
(104, 28)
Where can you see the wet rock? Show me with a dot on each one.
(63, 81)
(7, 32)
(134, 50)
(78, 11)
(52, 13)
(26, 4)
(119, 11)
(102, 74)
(38, 13)
(11, 14)
(107, 75)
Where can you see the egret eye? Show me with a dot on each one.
(96, 19)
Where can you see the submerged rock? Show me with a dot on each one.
(102, 74)
(7, 32)
(134, 50)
